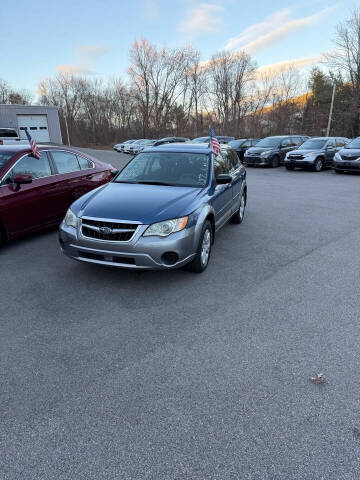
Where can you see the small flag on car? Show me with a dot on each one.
(214, 142)
(33, 146)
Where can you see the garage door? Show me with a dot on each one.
(37, 126)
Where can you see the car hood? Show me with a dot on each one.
(351, 152)
(258, 150)
(135, 202)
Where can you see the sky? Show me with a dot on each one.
(93, 37)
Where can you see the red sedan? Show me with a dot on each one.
(35, 193)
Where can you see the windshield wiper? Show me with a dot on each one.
(125, 181)
(154, 182)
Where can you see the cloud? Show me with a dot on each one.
(86, 56)
(275, 27)
(205, 17)
(68, 69)
(271, 71)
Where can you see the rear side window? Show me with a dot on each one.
(297, 141)
(37, 168)
(84, 164)
(8, 133)
(65, 162)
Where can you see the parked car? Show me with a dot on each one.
(348, 158)
(140, 146)
(35, 193)
(242, 144)
(271, 151)
(315, 153)
(130, 147)
(221, 139)
(121, 146)
(10, 136)
(164, 140)
(161, 211)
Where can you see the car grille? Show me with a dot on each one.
(351, 158)
(295, 157)
(106, 230)
(106, 258)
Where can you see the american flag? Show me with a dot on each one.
(214, 142)
(33, 146)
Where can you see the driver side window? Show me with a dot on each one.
(220, 165)
(37, 168)
(286, 142)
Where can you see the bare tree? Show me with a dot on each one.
(346, 60)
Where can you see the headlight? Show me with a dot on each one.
(310, 154)
(70, 219)
(337, 156)
(266, 154)
(164, 229)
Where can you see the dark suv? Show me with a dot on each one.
(240, 145)
(348, 158)
(316, 153)
(271, 151)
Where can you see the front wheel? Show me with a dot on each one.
(202, 257)
(318, 165)
(274, 162)
(238, 216)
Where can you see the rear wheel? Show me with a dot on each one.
(202, 257)
(238, 217)
(318, 165)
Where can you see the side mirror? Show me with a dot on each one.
(330, 147)
(21, 179)
(223, 178)
(114, 172)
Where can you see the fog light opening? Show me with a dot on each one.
(170, 258)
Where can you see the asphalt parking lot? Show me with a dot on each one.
(114, 374)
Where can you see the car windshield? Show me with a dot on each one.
(200, 140)
(237, 143)
(269, 142)
(167, 168)
(315, 144)
(354, 144)
(5, 157)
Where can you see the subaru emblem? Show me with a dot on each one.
(105, 230)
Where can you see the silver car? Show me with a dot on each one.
(161, 211)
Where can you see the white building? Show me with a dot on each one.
(42, 121)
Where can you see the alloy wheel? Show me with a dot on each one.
(205, 247)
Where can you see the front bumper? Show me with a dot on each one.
(258, 161)
(299, 163)
(353, 166)
(138, 253)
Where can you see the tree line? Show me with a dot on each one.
(170, 91)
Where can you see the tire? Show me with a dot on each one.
(318, 165)
(238, 217)
(289, 167)
(199, 262)
(275, 161)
